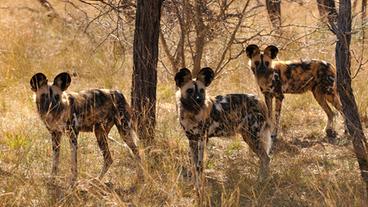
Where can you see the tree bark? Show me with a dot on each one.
(364, 11)
(274, 12)
(350, 109)
(200, 39)
(327, 10)
(145, 57)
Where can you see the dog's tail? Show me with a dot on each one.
(125, 115)
(266, 129)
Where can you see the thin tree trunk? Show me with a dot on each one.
(364, 11)
(345, 90)
(200, 39)
(178, 58)
(145, 57)
(166, 49)
(274, 12)
(327, 11)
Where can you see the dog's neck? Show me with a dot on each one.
(53, 111)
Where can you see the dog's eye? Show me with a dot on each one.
(267, 63)
(256, 62)
(202, 90)
(190, 90)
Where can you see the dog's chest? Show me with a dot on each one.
(272, 84)
(193, 124)
(56, 123)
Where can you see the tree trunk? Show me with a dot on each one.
(200, 39)
(327, 10)
(274, 12)
(145, 57)
(364, 11)
(345, 90)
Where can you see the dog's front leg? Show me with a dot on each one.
(73, 140)
(277, 117)
(55, 138)
(197, 148)
(268, 99)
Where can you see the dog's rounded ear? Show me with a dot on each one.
(62, 81)
(184, 75)
(37, 81)
(206, 76)
(271, 51)
(252, 50)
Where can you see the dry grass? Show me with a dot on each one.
(306, 170)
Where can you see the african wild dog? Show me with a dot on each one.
(94, 110)
(223, 116)
(278, 77)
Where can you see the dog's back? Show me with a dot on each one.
(235, 111)
(240, 113)
(97, 106)
(303, 75)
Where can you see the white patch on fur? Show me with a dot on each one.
(75, 120)
(223, 100)
(218, 107)
(250, 63)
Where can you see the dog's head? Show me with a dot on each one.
(49, 96)
(261, 62)
(193, 91)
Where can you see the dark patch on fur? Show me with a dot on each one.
(190, 104)
(327, 79)
(277, 85)
(305, 65)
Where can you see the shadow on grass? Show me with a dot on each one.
(86, 192)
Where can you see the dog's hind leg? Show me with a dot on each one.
(277, 117)
(334, 99)
(73, 141)
(261, 148)
(321, 99)
(128, 134)
(101, 133)
(197, 148)
(123, 121)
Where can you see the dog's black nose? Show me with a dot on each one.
(261, 70)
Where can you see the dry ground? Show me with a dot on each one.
(306, 170)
